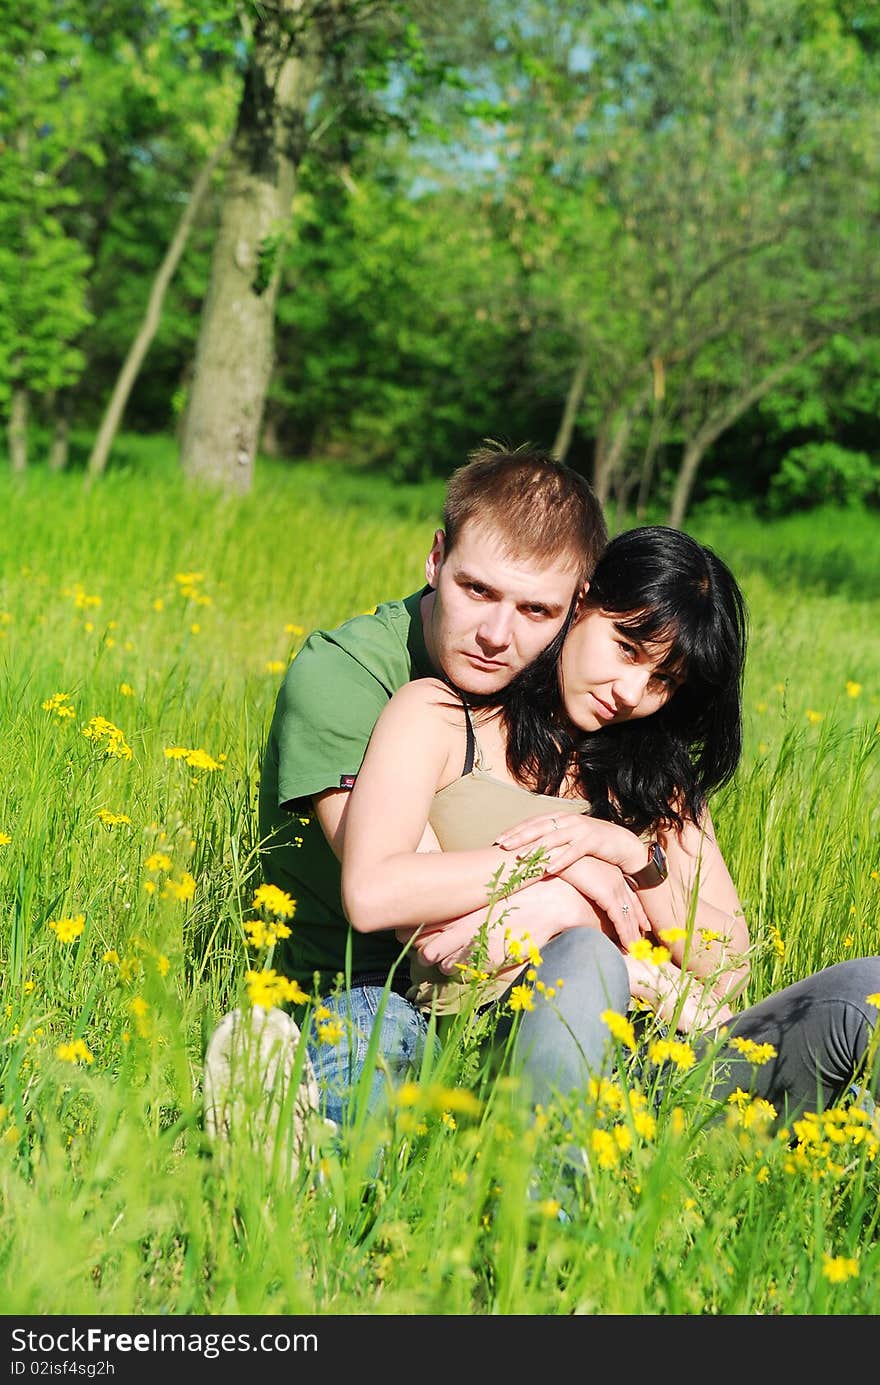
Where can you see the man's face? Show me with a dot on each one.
(490, 614)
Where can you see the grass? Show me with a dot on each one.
(172, 617)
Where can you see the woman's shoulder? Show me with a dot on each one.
(424, 698)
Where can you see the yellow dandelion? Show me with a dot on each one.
(107, 738)
(755, 1053)
(74, 1052)
(853, 689)
(66, 930)
(605, 1149)
(274, 901)
(291, 629)
(182, 889)
(158, 861)
(126, 689)
(275, 666)
(331, 1032)
(550, 1208)
(111, 820)
(5, 839)
(60, 705)
(874, 999)
(838, 1268)
(673, 935)
(673, 1051)
(814, 717)
(521, 998)
(621, 1028)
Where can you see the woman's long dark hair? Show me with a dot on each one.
(659, 585)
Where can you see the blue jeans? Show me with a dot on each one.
(339, 1066)
(559, 1043)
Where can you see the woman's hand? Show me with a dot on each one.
(567, 837)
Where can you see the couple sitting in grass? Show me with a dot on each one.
(545, 721)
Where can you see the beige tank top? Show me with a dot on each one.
(467, 814)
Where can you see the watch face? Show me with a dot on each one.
(657, 859)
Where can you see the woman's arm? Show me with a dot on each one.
(387, 883)
(696, 906)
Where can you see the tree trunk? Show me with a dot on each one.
(573, 400)
(234, 352)
(140, 346)
(697, 446)
(59, 450)
(18, 426)
(611, 456)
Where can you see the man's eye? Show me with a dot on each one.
(537, 611)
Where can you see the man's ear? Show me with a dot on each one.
(582, 595)
(434, 560)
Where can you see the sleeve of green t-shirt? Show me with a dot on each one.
(327, 707)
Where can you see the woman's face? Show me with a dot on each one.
(607, 677)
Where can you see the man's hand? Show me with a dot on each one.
(608, 890)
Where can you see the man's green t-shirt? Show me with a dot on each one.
(327, 706)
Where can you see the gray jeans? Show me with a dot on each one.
(820, 1028)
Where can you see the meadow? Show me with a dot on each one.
(144, 631)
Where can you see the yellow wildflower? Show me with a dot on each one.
(60, 705)
(874, 999)
(275, 666)
(331, 1032)
(74, 1052)
(107, 737)
(521, 998)
(620, 1027)
(158, 861)
(66, 930)
(182, 889)
(126, 689)
(274, 901)
(672, 1051)
(291, 629)
(110, 819)
(814, 717)
(853, 689)
(673, 935)
(755, 1053)
(838, 1268)
(5, 839)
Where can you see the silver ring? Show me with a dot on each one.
(624, 908)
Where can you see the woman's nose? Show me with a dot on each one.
(630, 687)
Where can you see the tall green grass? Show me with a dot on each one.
(173, 617)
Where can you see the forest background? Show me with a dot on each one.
(371, 232)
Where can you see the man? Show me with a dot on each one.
(521, 535)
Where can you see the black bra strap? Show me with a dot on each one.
(471, 740)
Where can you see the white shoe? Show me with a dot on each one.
(249, 1064)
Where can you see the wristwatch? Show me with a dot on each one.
(653, 872)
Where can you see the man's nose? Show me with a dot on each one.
(496, 627)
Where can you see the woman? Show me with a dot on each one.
(623, 730)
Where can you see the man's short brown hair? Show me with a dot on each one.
(537, 506)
